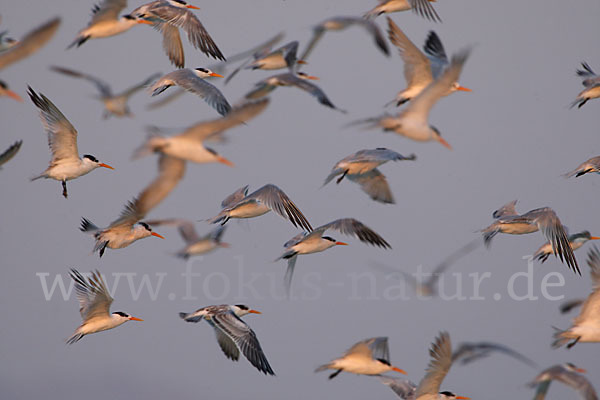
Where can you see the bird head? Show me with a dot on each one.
(334, 242)
(93, 161)
(146, 228)
(125, 316)
(242, 309)
(456, 86)
(205, 73)
(573, 368)
(386, 362)
(9, 92)
(306, 76)
(584, 237)
(451, 396)
(182, 4)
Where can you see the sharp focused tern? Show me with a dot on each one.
(420, 69)
(291, 79)
(591, 165)
(233, 334)
(189, 145)
(586, 326)
(10, 152)
(94, 306)
(421, 7)
(315, 242)
(168, 16)
(341, 23)
(568, 374)
(105, 22)
(31, 43)
(367, 357)
(413, 121)
(467, 352)
(541, 219)
(240, 204)
(193, 81)
(576, 240)
(591, 81)
(195, 245)
(361, 167)
(114, 104)
(65, 164)
(6, 92)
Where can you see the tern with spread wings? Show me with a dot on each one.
(421, 7)
(591, 81)
(568, 374)
(105, 22)
(195, 244)
(589, 166)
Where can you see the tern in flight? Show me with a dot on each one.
(9, 153)
(421, 7)
(568, 374)
(591, 81)
(467, 352)
(576, 240)
(195, 245)
(591, 165)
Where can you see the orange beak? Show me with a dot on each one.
(446, 144)
(217, 75)
(254, 312)
(225, 245)
(581, 370)
(157, 235)
(105, 166)
(225, 161)
(341, 244)
(135, 319)
(13, 95)
(462, 397)
(314, 78)
(594, 238)
(463, 89)
(143, 21)
(399, 370)
(192, 7)
(301, 62)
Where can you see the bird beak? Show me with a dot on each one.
(254, 312)
(157, 235)
(580, 370)
(14, 96)
(341, 244)
(192, 7)
(105, 166)
(594, 238)
(399, 370)
(463, 89)
(143, 21)
(446, 144)
(311, 77)
(301, 62)
(135, 319)
(463, 397)
(225, 161)
(217, 75)
(225, 245)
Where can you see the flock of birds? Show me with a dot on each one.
(430, 75)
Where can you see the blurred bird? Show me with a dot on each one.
(407, 390)
(6, 92)
(31, 43)
(568, 374)
(367, 357)
(240, 204)
(591, 81)
(193, 81)
(412, 122)
(467, 352)
(189, 145)
(567, 306)
(361, 167)
(299, 80)
(6, 42)
(167, 16)
(591, 165)
(94, 306)
(233, 334)
(420, 69)
(113, 104)
(341, 23)
(586, 326)
(65, 164)
(576, 240)
(127, 228)
(195, 245)
(540, 219)
(105, 22)
(10, 153)
(421, 7)
(315, 242)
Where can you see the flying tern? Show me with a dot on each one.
(62, 139)
(467, 352)
(421, 7)
(591, 81)
(568, 374)
(591, 165)
(10, 152)
(105, 22)
(5, 91)
(576, 240)
(195, 244)
(31, 43)
(233, 334)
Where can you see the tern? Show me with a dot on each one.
(5, 91)
(361, 167)
(421, 7)
(341, 23)
(62, 139)
(591, 165)
(105, 22)
(566, 306)
(128, 228)
(233, 334)
(420, 69)
(291, 79)
(94, 306)
(591, 81)
(367, 357)
(543, 219)
(31, 43)
(195, 245)
(315, 242)
(586, 326)
(407, 390)
(467, 352)
(240, 204)
(6, 42)
(189, 145)
(114, 104)
(576, 240)
(10, 152)
(168, 16)
(412, 122)
(193, 81)
(568, 374)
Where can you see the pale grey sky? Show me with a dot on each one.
(513, 137)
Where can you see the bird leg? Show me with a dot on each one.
(336, 373)
(64, 185)
(342, 177)
(225, 221)
(103, 248)
(573, 343)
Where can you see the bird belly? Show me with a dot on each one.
(97, 325)
(248, 210)
(200, 248)
(116, 106)
(360, 366)
(64, 171)
(587, 331)
(395, 6)
(360, 168)
(518, 228)
(591, 93)
(106, 29)
(310, 247)
(189, 150)
(273, 62)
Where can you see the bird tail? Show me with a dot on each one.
(372, 13)
(541, 256)
(190, 317)
(488, 234)
(156, 90)
(79, 40)
(42, 175)
(324, 367)
(561, 337)
(221, 218)
(153, 143)
(579, 102)
(76, 337)
(88, 226)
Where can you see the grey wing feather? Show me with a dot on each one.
(261, 89)
(274, 198)
(469, 352)
(590, 310)
(108, 10)
(102, 86)
(425, 10)
(311, 88)
(10, 152)
(172, 43)
(227, 345)
(404, 388)
(318, 33)
(574, 380)
(506, 210)
(355, 228)
(437, 54)
(130, 91)
(289, 274)
(379, 348)
(94, 298)
(417, 67)
(33, 41)
(441, 361)
(375, 185)
(235, 197)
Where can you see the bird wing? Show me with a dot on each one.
(575, 381)
(235, 197)
(289, 53)
(62, 136)
(373, 30)
(318, 32)
(375, 185)
(274, 198)
(441, 361)
(33, 41)
(190, 82)
(469, 352)
(421, 105)
(102, 86)
(108, 10)
(417, 67)
(244, 338)
(294, 80)
(227, 345)
(590, 310)
(404, 388)
(457, 255)
(185, 227)
(132, 90)
(254, 53)
(10, 152)
(377, 155)
(354, 228)
(425, 9)
(437, 54)
(506, 210)
(374, 348)
(93, 296)
(171, 43)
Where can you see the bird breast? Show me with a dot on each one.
(249, 210)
